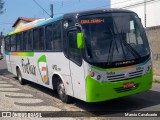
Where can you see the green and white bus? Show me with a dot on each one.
(94, 55)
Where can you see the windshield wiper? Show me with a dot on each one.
(111, 50)
(132, 50)
(88, 51)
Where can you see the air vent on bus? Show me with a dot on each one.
(121, 89)
(116, 77)
(136, 73)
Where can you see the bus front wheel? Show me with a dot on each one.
(19, 76)
(62, 92)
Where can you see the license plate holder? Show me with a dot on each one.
(128, 85)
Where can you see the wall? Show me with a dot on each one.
(153, 34)
(138, 6)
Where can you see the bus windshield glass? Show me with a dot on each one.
(114, 38)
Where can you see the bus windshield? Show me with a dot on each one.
(114, 38)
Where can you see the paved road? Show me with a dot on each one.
(33, 97)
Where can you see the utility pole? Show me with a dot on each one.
(145, 14)
(1, 36)
(51, 7)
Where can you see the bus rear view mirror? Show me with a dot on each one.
(80, 40)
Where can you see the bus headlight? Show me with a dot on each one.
(98, 77)
(149, 67)
(91, 73)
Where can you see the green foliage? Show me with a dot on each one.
(1, 6)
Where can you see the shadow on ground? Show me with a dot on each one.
(138, 102)
(4, 72)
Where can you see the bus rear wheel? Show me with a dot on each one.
(19, 76)
(62, 92)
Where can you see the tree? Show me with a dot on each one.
(1, 6)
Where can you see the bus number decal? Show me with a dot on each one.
(55, 67)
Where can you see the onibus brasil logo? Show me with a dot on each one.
(42, 65)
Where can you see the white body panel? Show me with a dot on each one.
(8, 62)
(78, 80)
(72, 75)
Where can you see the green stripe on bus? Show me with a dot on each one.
(101, 91)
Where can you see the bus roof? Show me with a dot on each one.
(96, 11)
(34, 24)
(42, 22)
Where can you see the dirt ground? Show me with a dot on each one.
(156, 67)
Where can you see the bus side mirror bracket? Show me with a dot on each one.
(80, 40)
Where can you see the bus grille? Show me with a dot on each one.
(121, 89)
(123, 77)
(136, 73)
(116, 77)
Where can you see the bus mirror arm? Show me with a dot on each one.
(78, 26)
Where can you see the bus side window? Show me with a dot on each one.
(25, 40)
(35, 39)
(74, 52)
(41, 38)
(48, 35)
(56, 42)
(13, 43)
(18, 42)
(28, 40)
(19, 46)
(7, 44)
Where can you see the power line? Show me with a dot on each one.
(41, 8)
(3, 23)
(131, 5)
(140, 3)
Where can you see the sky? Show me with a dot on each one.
(28, 8)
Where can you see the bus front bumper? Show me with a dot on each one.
(101, 91)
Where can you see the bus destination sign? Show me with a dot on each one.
(92, 21)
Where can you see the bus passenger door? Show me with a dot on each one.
(76, 66)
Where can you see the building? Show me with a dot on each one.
(21, 21)
(148, 10)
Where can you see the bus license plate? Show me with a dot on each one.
(128, 85)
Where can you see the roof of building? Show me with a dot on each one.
(24, 19)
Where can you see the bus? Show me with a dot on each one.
(94, 55)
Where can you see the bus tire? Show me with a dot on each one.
(19, 76)
(62, 92)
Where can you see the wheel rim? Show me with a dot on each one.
(61, 91)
